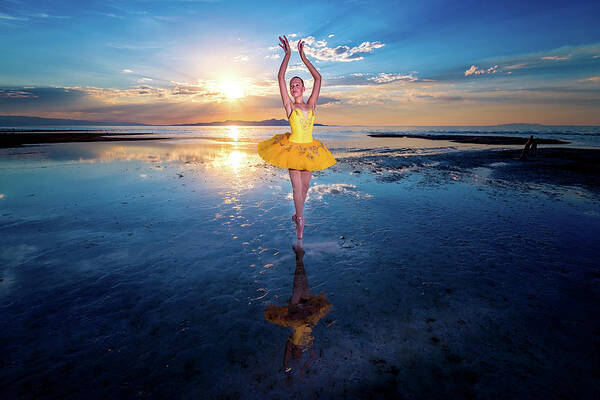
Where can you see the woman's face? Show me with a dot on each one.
(296, 87)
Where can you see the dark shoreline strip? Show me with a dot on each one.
(17, 139)
(479, 139)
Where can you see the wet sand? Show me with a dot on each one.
(23, 137)
(552, 165)
(479, 139)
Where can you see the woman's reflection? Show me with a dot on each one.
(302, 313)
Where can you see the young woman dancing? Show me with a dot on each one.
(297, 151)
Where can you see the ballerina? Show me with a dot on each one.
(297, 151)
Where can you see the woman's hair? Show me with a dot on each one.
(298, 78)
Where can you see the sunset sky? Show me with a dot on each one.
(383, 63)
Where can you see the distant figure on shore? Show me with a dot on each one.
(302, 313)
(297, 151)
(530, 148)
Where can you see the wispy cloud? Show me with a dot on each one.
(16, 94)
(111, 15)
(45, 15)
(12, 17)
(29, 16)
(127, 71)
(241, 58)
(515, 66)
(592, 79)
(556, 58)
(297, 67)
(359, 79)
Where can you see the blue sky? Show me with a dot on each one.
(383, 63)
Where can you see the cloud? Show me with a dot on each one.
(26, 16)
(515, 66)
(386, 78)
(44, 15)
(319, 49)
(241, 58)
(12, 18)
(564, 60)
(330, 36)
(132, 47)
(16, 94)
(127, 71)
(556, 58)
(592, 79)
(298, 67)
(474, 70)
(369, 79)
(111, 15)
(273, 56)
(342, 53)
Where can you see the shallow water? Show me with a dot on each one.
(144, 270)
(349, 136)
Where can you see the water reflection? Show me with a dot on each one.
(234, 133)
(302, 312)
(234, 158)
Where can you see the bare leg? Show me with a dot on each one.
(297, 189)
(306, 175)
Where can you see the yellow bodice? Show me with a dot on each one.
(302, 127)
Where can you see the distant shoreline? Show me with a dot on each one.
(474, 139)
(16, 138)
(66, 136)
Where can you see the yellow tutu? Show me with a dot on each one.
(297, 150)
(307, 313)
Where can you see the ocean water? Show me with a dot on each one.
(144, 270)
(578, 136)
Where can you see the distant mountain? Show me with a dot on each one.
(18, 120)
(519, 124)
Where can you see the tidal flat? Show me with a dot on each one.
(143, 269)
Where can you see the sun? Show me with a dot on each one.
(232, 89)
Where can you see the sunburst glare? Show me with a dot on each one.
(232, 89)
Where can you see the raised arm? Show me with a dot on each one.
(285, 96)
(314, 96)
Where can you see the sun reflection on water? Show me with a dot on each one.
(236, 159)
(234, 132)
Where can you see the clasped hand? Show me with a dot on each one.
(285, 45)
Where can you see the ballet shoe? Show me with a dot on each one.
(299, 226)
